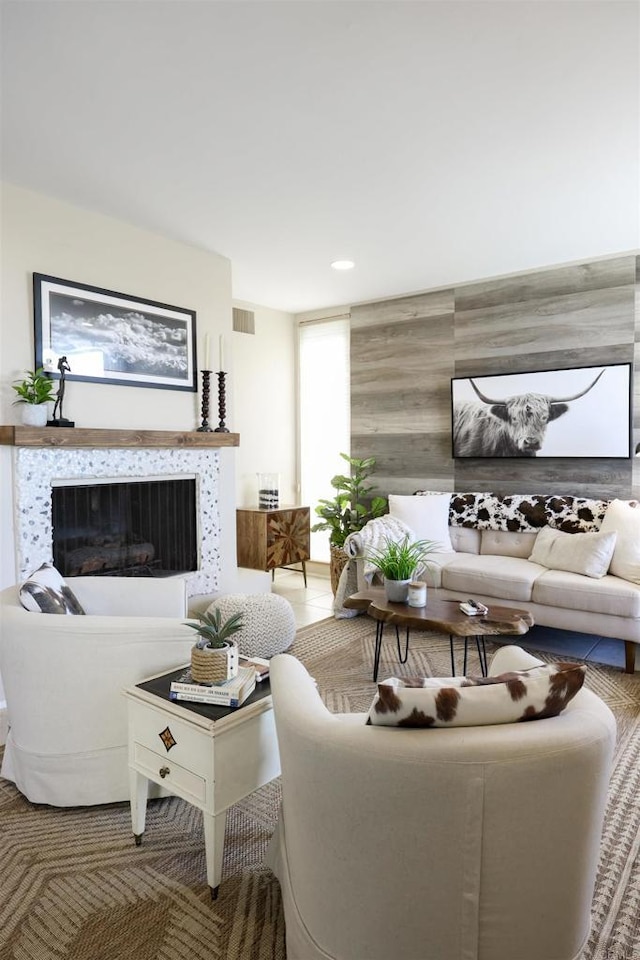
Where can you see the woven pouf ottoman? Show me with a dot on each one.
(268, 622)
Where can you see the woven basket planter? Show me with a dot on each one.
(209, 665)
(336, 564)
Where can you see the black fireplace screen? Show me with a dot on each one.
(134, 528)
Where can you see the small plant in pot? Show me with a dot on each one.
(35, 391)
(399, 562)
(214, 657)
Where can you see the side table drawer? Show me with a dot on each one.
(186, 784)
(189, 746)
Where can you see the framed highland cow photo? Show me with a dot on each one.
(575, 412)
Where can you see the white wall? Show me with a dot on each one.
(265, 398)
(40, 234)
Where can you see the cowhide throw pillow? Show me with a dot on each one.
(45, 591)
(533, 694)
(526, 512)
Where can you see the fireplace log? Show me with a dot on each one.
(97, 559)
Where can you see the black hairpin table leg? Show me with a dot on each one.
(482, 655)
(402, 658)
(378, 648)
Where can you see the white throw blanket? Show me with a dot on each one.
(374, 536)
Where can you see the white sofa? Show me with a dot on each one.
(489, 540)
(64, 676)
(440, 844)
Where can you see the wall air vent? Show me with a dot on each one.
(244, 321)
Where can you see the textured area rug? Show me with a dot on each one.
(74, 885)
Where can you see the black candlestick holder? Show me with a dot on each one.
(204, 427)
(222, 409)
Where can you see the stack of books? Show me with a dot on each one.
(230, 693)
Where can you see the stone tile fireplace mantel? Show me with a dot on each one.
(44, 457)
(68, 437)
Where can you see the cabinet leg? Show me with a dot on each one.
(138, 791)
(214, 828)
(629, 656)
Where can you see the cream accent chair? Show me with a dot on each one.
(64, 675)
(451, 844)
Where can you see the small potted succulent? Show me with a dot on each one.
(35, 392)
(214, 657)
(399, 562)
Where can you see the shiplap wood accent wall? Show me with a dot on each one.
(405, 351)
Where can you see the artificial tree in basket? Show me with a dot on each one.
(350, 509)
(214, 657)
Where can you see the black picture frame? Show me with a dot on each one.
(590, 416)
(111, 337)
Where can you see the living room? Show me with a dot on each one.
(514, 245)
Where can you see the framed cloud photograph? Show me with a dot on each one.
(574, 412)
(110, 337)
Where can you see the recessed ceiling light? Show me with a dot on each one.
(343, 264)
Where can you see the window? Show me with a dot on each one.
(324, 414)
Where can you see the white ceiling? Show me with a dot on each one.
(431, 142)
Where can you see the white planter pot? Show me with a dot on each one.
(34, 414)
(396, 590)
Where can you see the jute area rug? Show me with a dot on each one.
(74, 885)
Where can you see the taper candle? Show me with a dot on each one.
(207, 355)
(221, 353)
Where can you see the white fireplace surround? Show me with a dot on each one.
(37, 469)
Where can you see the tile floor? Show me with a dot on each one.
(315, 602)
(311, 603)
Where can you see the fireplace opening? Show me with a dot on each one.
(133, 528)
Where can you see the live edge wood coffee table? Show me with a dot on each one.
(443, 616)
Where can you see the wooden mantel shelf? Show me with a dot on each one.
(67, 437)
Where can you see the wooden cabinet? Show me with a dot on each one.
(273, 538)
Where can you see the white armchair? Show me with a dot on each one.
(64, 675)
(475, 842)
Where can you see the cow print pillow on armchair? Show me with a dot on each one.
(534, 694)
(45, 591)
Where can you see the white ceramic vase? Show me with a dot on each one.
(396, 590)
(34, 414)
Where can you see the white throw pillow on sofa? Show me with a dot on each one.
(623, 517)
(428, 517)
(586, 553)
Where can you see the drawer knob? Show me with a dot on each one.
(164, 771)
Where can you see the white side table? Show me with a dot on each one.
(209, 756)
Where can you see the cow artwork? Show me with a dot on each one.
(510, 427)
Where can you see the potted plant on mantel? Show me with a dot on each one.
(214, 658)
(349, 510)
(399, 562)
(35, 392)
